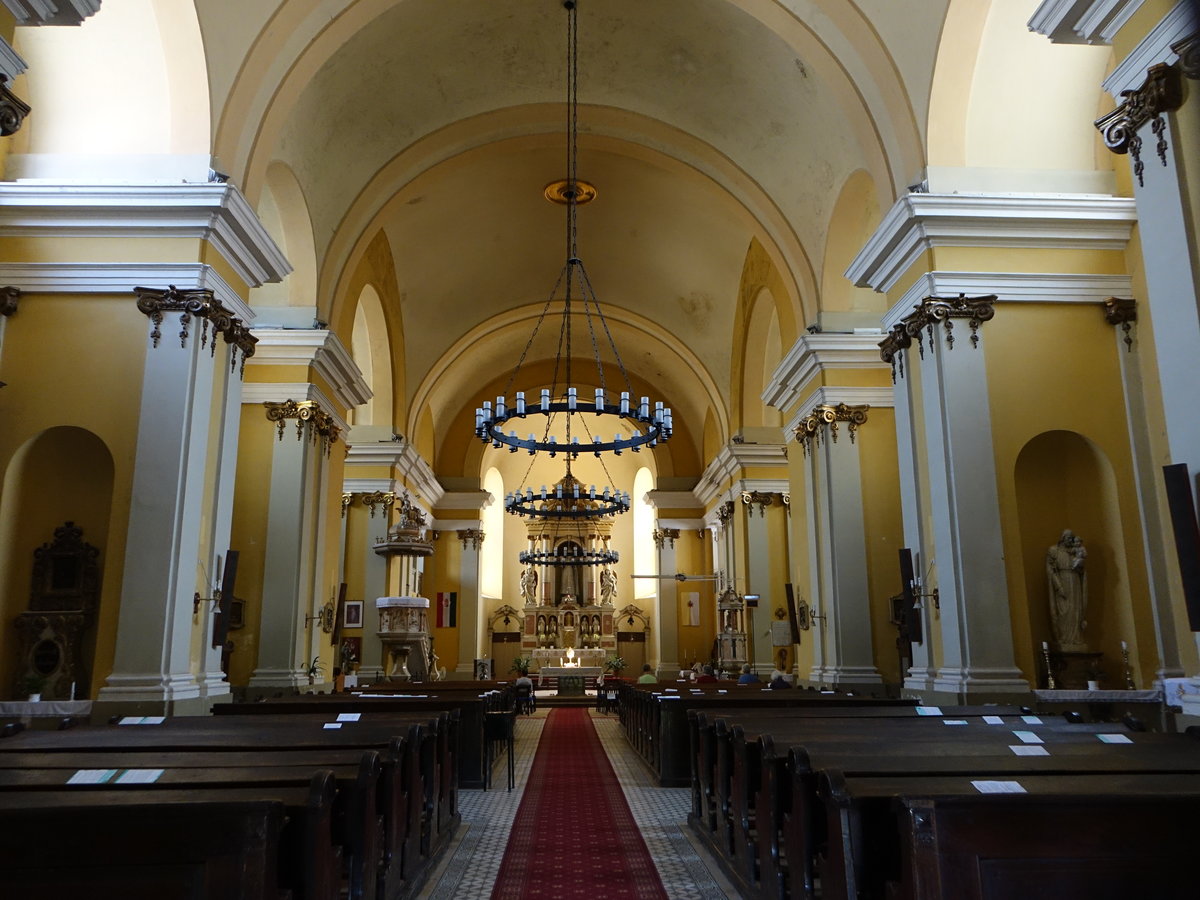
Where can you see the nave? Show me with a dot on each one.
(472, 863)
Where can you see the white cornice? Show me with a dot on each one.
(257, 393)
(729, 463)
(402, 457)
(315, 347)
(1082, 21)
(51, 12)
(122, 278)
(851, 396)
(1154, 48)
(217, 213)
(1011, 287)
(11, 63)
(681, 524)
(465, 500)
(448, 526)
(672, 499)
(817, 353)
(920, 222)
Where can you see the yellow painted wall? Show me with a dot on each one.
(883, 532)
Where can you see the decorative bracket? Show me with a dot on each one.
(379, 499)
(202, 305)
(665, 536)
(9, 296)
(926, 314)
(761, 499)
(347, 499)
(1161, 92)
(1123, 312)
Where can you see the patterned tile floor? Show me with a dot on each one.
(469, 867)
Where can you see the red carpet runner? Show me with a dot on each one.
(574, 835)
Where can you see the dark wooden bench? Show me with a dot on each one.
(139, 845)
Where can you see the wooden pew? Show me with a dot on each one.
(407, 783)
(802, 833)
(142, 845)
(868, 818)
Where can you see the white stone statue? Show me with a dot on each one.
(529, 583)
(608, 586)
(1067, 576)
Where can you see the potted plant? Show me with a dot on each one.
(521, 664)
(314, 669)
(33, 684)
(614, 664)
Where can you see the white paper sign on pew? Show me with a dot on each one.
(998, 787)
(1028, 750)
(139, 776)
(929, 710)
(1027, 737)
(91, 776)
(349, 717)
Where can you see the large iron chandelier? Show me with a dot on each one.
(640, 424)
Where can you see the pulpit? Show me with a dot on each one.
(404, 633)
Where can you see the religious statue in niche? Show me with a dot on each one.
(608, 586)
(529, 583)
(1066, 573)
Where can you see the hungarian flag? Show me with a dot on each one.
(447, 610)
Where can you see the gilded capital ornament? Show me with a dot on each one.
(197, 304)
(725, 512)
(930, 312)
(761, 499)
(13, 109)
(347, 499)
(1123, 312)
(471, 537)
(379, 500)
(319, 424)
(665, 536)
(9, 297)
(825, 418)
(1161, 92)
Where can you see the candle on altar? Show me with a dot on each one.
(1045, 645)
(1124, 646)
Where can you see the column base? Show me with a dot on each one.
(278, 678)
(839, 676)
(919, 679)
(980, 684)
(151, 695)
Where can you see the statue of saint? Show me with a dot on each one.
(608, 586)
(1067, 576)
(529, 583)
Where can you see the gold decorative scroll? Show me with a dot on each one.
(379, 500)
(198, 304)
(319, 424)
(9, 297)
(665, 536)
(761, 499)
(825, 418)
(13, 109)
(1161, 92)
(472, 537)
(1123, 312)
(347, 499)
(930, 312)
(725, 512)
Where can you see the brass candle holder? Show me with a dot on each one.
(1050, 682)
(1129, 685)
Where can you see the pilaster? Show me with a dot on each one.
(666, 604)
(472, 631)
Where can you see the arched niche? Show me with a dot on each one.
(63, 474)
(283, 211)
(855, 218)
(761, 353)
(1063, 480)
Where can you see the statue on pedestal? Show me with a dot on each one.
(608, 586)
(1067, 576)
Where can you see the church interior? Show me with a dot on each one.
(891, 308)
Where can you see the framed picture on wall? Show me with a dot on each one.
(353, 615)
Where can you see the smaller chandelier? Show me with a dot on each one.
(570, 556)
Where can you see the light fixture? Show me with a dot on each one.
(634, 423)
(568, 535)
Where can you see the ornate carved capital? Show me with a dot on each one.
(9, 296)
(472, 537)
(1123, 312)
(1189, 55)
(761, 499)
(665, 536)
(929, 312)
(1161, 92)
(825, 418)
(202, 305)
(379, 500)
(308, 415)
(347, 499)
(725, 513)
(13, 109)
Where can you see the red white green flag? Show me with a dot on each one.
(447, 610)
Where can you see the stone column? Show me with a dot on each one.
(666, 604)
(169, 510)
(292, 547)
(472, 626)
(976, 630)
(758, 578)
(829, 438)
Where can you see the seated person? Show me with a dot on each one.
(748, 675)
(647, 676)
(523, 690)
(708, 677)
(779, 681)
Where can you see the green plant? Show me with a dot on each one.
(614, 664)
(315, 668)
(521, 665)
